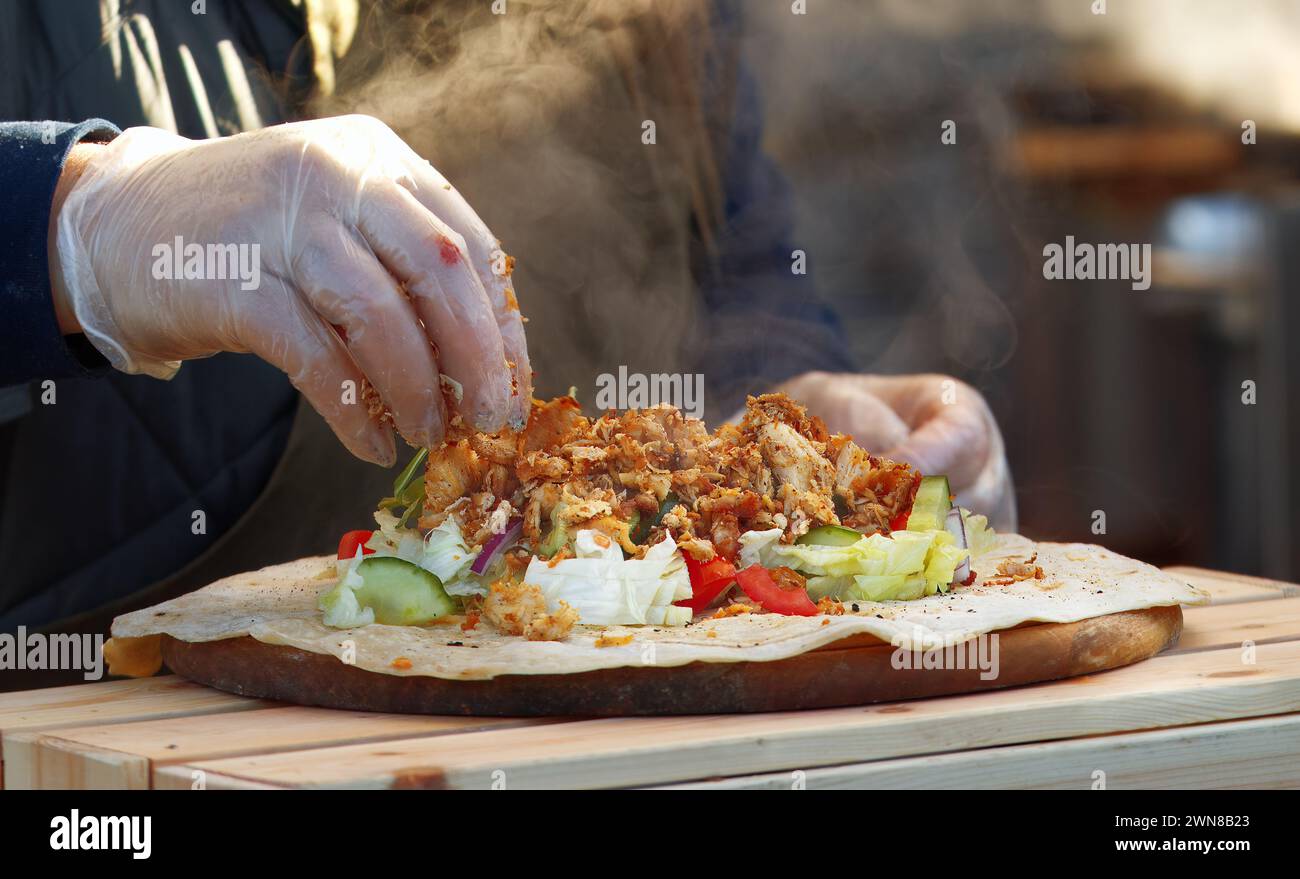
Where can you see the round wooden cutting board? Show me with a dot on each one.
(854, 671)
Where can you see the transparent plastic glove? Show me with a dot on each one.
(936, 423)
(339, 255)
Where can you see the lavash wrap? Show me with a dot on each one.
(277, 605)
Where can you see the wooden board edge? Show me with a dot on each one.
(1286, 587)
(1225, 588)
(40, 761)
(144, 714)
(1168, 758)
(489, 724)
(1218, 626)
(182, 776)
(8, 734)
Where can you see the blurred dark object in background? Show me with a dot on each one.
(1123, 128)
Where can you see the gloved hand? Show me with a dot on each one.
(329, 248)
(936, 423)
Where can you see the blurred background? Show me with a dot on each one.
(1122, 127)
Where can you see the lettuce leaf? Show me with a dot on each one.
(979, 536)
(447, 557)
(902, 566)
(342, 608)
(888, 587)
(832, 587)
(444, 553)
(608, 590)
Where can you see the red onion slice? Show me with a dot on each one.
(497, 544)
(955, 525)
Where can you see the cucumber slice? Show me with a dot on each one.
(400, 593)
(931, 506)
(831, 535)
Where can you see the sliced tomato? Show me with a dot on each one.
(708, 579)
(758, 584)
(349, 542)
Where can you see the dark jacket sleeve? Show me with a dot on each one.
(31, 159)
(767, 323)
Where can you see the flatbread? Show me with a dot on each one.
(277, 605)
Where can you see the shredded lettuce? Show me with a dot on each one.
(443, 553)
(904, 565)
(388, 534)
(609, 590)
(448, 558)
(832, 587)
(342, 608)
(887, 587)
(979, 536)
(753, 545)
(941, 562)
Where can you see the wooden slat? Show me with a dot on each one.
(114, 701)
(1232, 588)
(1258, 753)
(1166, 691)
(111, 702)
(63, 765)
(122, 755)
(1228, 625)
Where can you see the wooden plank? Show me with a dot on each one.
(1231, 588)
(111, 702)
(1259, 753)
(120, 756)
(114, 701)
(1228, 625)
(1166, 691)
(33, 761)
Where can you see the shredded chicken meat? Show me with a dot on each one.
(1011, 571)
(779, 468)
(520, 609)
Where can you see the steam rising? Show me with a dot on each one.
(536, 117)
